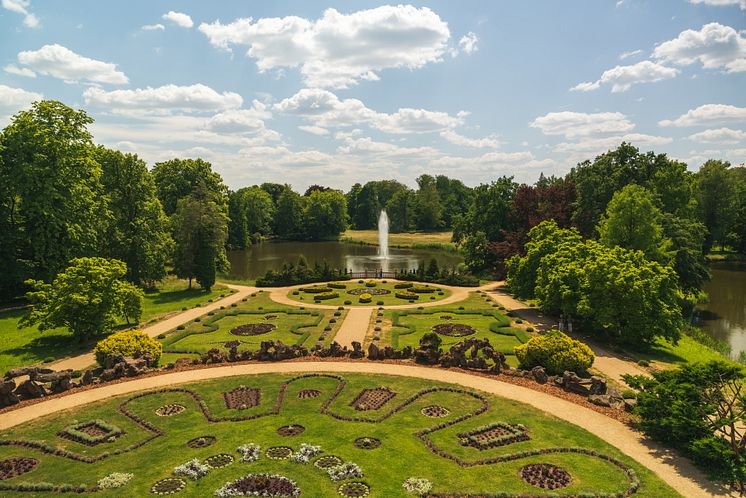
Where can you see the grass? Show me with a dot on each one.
(292, 326)
(400, 456)
(666, 354)
(419, 240)
(30, 346)
(354, 300)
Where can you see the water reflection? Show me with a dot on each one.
(724, 316)
(256, 260)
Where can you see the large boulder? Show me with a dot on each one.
(30, 390)
(540, 375)
(30, 371)
(374, 353)
(7, 396)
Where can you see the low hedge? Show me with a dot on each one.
(334, 285)
(326, 295)
(409, 296)
(422, 290)
(403, 285)
(127, 343)
(315, 290)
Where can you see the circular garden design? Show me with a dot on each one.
(335, 448)
(250, 329)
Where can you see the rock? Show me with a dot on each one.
(598, 385)
(357, 350)
(183, 362)
(7, 396)
(213, 356)
(30, 390)
(87, 378)
(600, 399)
(373, 352)
(629, 405)
(573, 383)
(539, 374)
(30, 371)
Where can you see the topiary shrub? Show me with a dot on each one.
(325, 295)
(348, 302)
(126, 343)
(370, 283)
(366, 298)
(556, 352)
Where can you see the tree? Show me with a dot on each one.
(428, 210)
(455, 198)
(200, 232)
(489, 211)
(177, 178)
(139, 231)
(367, 209)
(736, 237)
(476, 252)
(687, 240)
(699, 409)
(325, 214)
(400, 210)
(633, 221)
(52, 209)
(274, 190)
(289, 215)
(87, 297)
(251, 213)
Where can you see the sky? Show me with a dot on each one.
(334, 93)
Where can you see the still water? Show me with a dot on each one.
(257, 259)
(724, 316)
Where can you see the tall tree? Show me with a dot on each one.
(251, 212)
(325, 214)
(200, 232)
(139, 232)
(736, 237)
(177, 178)
(368, 208)
(52, 205)
(428, 210)
(400, 210)
(289, 215)
(715, 194)
(489, 211)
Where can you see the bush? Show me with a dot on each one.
(370, 283)
(556, 352)
(409, 296)
(325, 295)
(379, 303)
(126, 343)
(348, 302)
(643, 363)
(403, 285)
(422, 290)
(366, 298)
(335, 285)
(318, 289)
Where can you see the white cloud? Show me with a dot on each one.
(315, 130)
(468, 43)
(13, 99)
(623, 77)
(599, 145)
(153, 27)
(179, 18)
(61, 62)
(163, 100)
(715, 46)
(708, 115)
(19, 71)
(477, 143)
(719, 136)
(338, 50)
(324, 109)
(578, 124)
(631, 53)
(722, 3)
(21, 7)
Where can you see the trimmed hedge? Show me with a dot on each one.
(423, 290)
(556, 352)
(315, 290)
(126, 343)
(409, 296)
(403, 285)
(334, 285)
(326, 295)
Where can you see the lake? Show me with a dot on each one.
(724, 316)
(254, 261)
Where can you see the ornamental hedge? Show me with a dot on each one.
(325, 295)
(127, 343)
(556, 352)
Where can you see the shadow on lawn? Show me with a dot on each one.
(168, 297)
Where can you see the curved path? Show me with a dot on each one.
(677, 472)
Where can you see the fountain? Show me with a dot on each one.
(383, 235)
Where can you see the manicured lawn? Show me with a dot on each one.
(398, 425)
(666, 354)
(350, 294)
(276, 322)
(29, 346)
(421, 239)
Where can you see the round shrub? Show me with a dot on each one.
(519, 321)
(556, 352)
(366, 298)
(643, 363)
(126, 343)
(379, 303)
(370, 283)
(348, 302)
(529, 329)
(161, 336)
(180, 327)
(197, 320)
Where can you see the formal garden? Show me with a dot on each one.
(314, 435)
(369, 293)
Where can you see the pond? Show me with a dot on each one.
(254, 261)
(724, 316)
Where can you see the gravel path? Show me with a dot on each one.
(354, 327)
(676, 471)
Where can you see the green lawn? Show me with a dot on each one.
(435, 240)
(292, 325)
(349, 295)
(29, 346)
(687, 350)
(400, 426)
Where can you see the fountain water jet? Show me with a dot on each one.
(383, 235)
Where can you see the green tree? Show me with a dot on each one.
(489, 211)
(687, 239)
(200, 232)
(455, 197)
(53, 209)
(633, 221)
(736, 237)
(428, 210)
(289, 215)
(368, 208)
(251, 213)
(88, 298)
(139, 231)
(325, 214)
(476, 250)
(400, 210)
(715, 194)
(177, 178)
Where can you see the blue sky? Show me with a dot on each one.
(339, 92)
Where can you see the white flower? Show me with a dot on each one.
(305, 453)
(347, 470)
(193, 469)
(249, 452)
(417, 486)
(114, 480)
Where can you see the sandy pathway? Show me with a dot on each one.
(354, 327)
(677, 472)
(83, 361)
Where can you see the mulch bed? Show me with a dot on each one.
(169, 410)
(263, 485)
(367, 443)
(372, 399)
(291, 430)
(14, 467)
(454, 329)
(242, 398)
(253, 329)
(354, 489)
(373, 291)
(202, 442)
(435, 411)
(219, 461)
(328, 461)
(168, 486)
(545, 476)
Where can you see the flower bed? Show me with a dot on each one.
(545, 476)
(354, 489)
(409, 296)
(168, 486)
(219, 461)
(373, 291)
(493, 435)
(446, 318)
(290, 430)
(115, 480)
(193, 469)
(367, 443)
(279, 452)
(365, 298)
(270, 317)
(309, 393)
(435, 411)
(169, 410)
(305, 453)
(242, 398)
(347, 470)
(14, 467)
(417, 486)
(250, 329)
(454, 329)
(249, 452)
(328, 461)
(372, 399)
(91, 433)
(273, 485)
(201, 442)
